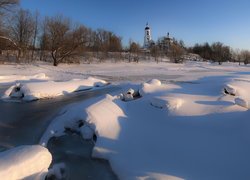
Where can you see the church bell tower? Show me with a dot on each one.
(147, 36)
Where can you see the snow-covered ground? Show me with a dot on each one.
(117, 72)
(25, 162)
(192, 123)
(31, 91)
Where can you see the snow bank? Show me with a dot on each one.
(73, 117)
(13, 78)
(50, 89)
(122, 140)
(143, 142)
(104, 115)
(25, 162)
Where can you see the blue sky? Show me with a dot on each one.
(190, 20)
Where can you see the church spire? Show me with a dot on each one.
(147, 37)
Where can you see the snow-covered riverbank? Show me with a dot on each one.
(192, 123)
(188, 131)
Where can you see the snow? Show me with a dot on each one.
(38, 90)
(241, 102)
(57, 171)
(239, 87)
(29, 162)
(170, 103)
(140, 140)
(183, 126)
(108, 111)
(87, 132)
(13, 78)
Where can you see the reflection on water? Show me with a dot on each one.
(75, 153)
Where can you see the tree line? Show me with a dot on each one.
(25, 36)
(220, 53)
(56, 37)
(60, 39)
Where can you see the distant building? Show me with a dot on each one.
(165, 42)
(147, 37)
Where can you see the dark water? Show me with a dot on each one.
(23, 123)
(75, 153)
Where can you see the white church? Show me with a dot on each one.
(165, 42)
(147, 37)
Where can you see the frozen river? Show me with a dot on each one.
(23, 123)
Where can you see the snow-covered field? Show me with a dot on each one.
(190, 122)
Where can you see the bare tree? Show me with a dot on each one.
(134, 50)
(22, 29)
(236, 55)
(115, 44)
(36, 15)
(8, 4)
(176, 53)
(5, 6)
(245, 56)
(64, 41)
(155, 52)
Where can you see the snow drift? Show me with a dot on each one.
(25, 162)
(240, 88)
(50, 89)
(192, 124)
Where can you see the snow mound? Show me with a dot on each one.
(25, 162)
(171, 103)
(96, 82)
(229, 89)
(158, 176)
(154, 82)
(50, 89)
(104, 116)
(129, 95)
(239, 88)
(155, 86)
(150, 86)
(87, 132)
(241, 102)
(13, 78)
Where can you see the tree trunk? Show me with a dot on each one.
(34, 39)
(53, 54)
(55, 63)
